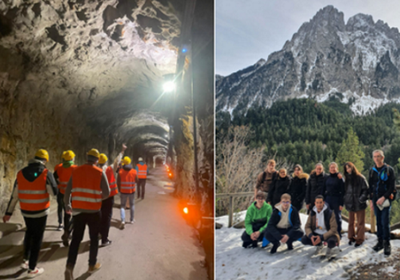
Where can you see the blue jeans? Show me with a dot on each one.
(383, 221)
(124, 198)
(334, 204)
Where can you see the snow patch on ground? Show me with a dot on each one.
(235, 262)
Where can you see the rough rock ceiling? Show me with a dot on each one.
(103, 60)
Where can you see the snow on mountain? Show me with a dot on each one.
(359, 59)
(235, 262)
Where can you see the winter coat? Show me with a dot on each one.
(315, 185)
(385, 188)
(333, 186)
(297, 190)
(278, 188)
(331, 226)
(255, 215)
(294, 221)
(356, 193)
(263, 184)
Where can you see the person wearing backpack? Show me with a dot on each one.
(265, 178)
(382, 190)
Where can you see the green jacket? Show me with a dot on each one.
(254, 214)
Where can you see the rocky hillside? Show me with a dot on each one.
(358, 62)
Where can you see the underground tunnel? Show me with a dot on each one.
(82, 74)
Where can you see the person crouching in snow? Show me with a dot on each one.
(284, 225)
(321, 226)
(257, 217)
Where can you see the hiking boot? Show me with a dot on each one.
(328, 252)
(289, 246)
(25, 264)
(357, 245)
(93, 268)
(318, 249)
(274, 248)
(36, 272)
(104, 244)
(378, 246)
(64, 238)
(68, 274)
(60, 227)
(387, 247)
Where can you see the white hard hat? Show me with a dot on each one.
(140, 159)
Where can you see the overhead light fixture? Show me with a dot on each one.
(169, 86)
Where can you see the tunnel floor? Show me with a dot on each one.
(159, 245)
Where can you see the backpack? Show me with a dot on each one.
(383, 177)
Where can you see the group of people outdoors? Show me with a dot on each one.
(85, 195)
(274, 215)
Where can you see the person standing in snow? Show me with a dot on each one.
(284, 225)
(265, 178)
(315, 185)
(279, 186)
(298, 187)
(321, 227)
(355, 201)
(381, 187)
(257, 217)
(333, 191)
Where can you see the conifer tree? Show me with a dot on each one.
(351, 151)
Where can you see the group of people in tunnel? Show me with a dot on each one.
(85, 195)
(273, 218)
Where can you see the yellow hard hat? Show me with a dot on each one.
(68, 155)
(103, 159)
(126, 161)
(63, 154)
(94, 153)
(42, 154)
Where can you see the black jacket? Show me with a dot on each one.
(314, 186)
(356, 193)
(385, 188)
(333, 186)
(294, 220)
(297, 190)
(278, 188)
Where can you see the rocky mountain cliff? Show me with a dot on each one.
(357, 62)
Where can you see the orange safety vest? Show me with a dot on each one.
(142, 171)
(111, 181)
(64, 174)
(57, 166)
(86, 189)
(33, 196)
(128, 180)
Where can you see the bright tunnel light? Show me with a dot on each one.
(169, 86)
(185, 210)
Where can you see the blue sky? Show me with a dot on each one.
(247, 30)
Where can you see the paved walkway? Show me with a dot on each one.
(159, 245)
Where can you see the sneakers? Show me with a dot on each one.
(122, 225)
(60, 227)
(25, 264)
(64, 238)
(131, 222)
(357, 245)
(93, 268)
(328, 252)
(378, 246)
(318, 249)
(68, 274)
(36, 272)
(104, 244)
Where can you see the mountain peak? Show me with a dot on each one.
(329, 13)
(261, 62)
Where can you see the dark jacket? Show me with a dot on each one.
(315, 185)
(278, 188)
(356, 193)
(297, 190)
(333, 186)
(294, 221)
(331, 226)
(379, 188)
(263, 184)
